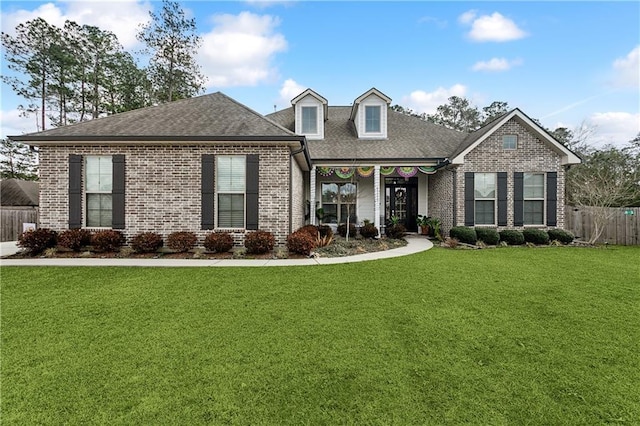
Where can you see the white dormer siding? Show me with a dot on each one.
(369, 115)
(310, 114)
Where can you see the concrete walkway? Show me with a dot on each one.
(415, 244)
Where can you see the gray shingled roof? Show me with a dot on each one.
(16, 192)
(209, 116)
(474, 136)
(408, 138)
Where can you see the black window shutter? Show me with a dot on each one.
(253, 180)
(469, 208)
(75, 191)
(518, 199)
(502, 198)
(117, 192)
(552, 198)
(207, 192)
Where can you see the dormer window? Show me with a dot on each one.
(309, 120)
(310, 114)
(372, 119)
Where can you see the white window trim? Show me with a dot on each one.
(339, 204)
(302, 108)
(218, 192)
(379, 131)
(85, 213)
(494, 199)
(543, 199)
(509, 148)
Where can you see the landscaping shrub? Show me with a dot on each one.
(396, 232)
(301, 242)
(181, 241)
(488, 236)
(513, 237)
(37, 240)
(310, 229)
(325, 231)
(147, 242)
(342, 230)
(464, 234)
(535, 236)
(74, 239)
(368, 230)
(220, 242)
(107, 240)
(259, 242)
(565, 237)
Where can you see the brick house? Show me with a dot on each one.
(211, 164)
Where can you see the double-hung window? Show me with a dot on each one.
(309, 120)
(485, 198)
(339, 202)
(372, 119)
(533, 192)
(230, 189)
(98, 189)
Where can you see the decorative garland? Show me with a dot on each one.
(386, 171)
(365, 171)
(427, 169)
(325, 171)
(345, 172)
(407, 172)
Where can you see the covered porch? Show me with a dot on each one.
(375, 193)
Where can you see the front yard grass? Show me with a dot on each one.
(503, 336)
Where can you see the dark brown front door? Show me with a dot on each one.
(401, 201)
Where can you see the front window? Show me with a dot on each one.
(230, 188)
(339, 202)
(309, 120)
(98, 187)
(533, 198)
(372, 119)
(485, 198)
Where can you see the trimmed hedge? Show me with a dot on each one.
(565, 237)
(535, 236)
(488, 236)
(325, 231)
(396, 232)
(301, 242)
(218, 242)
(464, 234)
(342, 230)
(147, 242)
(259, 242)
(311, 230)
(107, 240)
(368, 230)
(74, 239)
(513, 237)
(38, 240)
(182, 241)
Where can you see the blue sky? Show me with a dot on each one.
(561, 62)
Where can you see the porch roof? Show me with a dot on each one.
(409, 139)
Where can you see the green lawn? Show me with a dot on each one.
(505, 336)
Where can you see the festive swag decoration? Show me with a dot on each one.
(345, 172)
(365, 171)
(325, 171)
(407, 172)
(426, 169)
(386, 171)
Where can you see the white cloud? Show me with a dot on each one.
(289, 90)
(240, 49)
(13, 124)
(496, 64)
(616, 128)
(494, 27)
(428, 102)
(121, 17)
(627, 70)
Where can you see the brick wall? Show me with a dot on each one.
(441, 198)
(532, 155)
(297, 196)
(163, 187)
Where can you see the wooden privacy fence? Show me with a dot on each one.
(12, 219)
(623, 228)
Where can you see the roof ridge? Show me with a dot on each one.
(257, 114)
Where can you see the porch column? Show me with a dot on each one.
(376, 196)
(312, 196)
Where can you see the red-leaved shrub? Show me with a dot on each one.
(74, 239)
(259, 242)
(182, 241)
(37, 240)
(147, 242)
(220, 242)
(301, 242)
(107, 240)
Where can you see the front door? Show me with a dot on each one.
(401, 201)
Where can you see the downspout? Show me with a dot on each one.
(303, 149)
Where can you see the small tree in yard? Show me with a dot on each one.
(607, 178)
